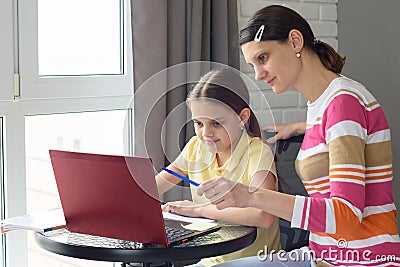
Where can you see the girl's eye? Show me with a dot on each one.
(197, 123)
(216, 123)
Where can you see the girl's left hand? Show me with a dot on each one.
(185, 208)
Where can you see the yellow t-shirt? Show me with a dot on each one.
(250, 156)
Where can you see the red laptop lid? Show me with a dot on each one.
(110, 196)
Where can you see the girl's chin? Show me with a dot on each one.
(211, 148)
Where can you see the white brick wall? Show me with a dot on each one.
(290, 106)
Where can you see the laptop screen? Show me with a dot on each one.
(111, 196)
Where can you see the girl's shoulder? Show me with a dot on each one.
(257, 145)
(193, 144)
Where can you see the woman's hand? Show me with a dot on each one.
(224, 193)
(285, 131)
(185, 208)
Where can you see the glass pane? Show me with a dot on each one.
(92, 132)
(79, 37)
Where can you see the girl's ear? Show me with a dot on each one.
(244, 115)
(296, 40)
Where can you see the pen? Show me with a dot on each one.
(54, 228)
(181, 177)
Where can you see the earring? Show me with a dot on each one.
(298, 55)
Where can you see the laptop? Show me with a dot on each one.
(115, 196)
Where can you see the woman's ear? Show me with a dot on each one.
(244, 115)
(296, 40)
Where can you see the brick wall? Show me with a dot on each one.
(290, 106)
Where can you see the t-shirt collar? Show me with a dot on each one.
(237, 156)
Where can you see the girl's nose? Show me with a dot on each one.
(207, 131)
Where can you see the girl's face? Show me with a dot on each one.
(217, 125)
(273, 62)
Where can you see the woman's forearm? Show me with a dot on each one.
(275, 203)
(244, 216)
(300, 127)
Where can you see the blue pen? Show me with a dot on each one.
(181, 177)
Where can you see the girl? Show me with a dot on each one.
(345, 161)
(227, 144)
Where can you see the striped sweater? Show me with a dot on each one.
(345, 163)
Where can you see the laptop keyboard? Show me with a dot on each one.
(174, 233)
(98, 241)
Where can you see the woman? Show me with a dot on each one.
(345, 161)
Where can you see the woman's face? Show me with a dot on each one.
(217, 125)
(273, 62)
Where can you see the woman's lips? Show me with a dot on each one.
(271, 82)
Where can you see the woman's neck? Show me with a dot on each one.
(315, 79)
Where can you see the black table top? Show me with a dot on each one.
(228, 239)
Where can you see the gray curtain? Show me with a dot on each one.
(166, 33)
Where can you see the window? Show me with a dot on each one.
(74, 48)
(71, 44)
(93, 132)
(88, 89)
(6, 50)
(2, 241)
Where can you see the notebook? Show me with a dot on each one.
(114, 196)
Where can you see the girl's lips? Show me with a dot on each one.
(209, 142)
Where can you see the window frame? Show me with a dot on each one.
(35, 87)
(38, 96)
(6, 51)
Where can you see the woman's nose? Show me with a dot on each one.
(259, 73)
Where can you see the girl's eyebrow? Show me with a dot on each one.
(217, 119)
(214, 119)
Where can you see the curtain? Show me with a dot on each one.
(167, 33)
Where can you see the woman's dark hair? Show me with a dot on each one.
(226, 86)
(278, 22)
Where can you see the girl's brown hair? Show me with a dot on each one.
(278, 22)
(229, 88)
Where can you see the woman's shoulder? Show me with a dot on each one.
(344, 86)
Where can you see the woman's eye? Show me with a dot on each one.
(216, 123)
(262, 58)
(197, 123)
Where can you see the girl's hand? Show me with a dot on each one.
(285, 131)
(185, 208)
(224, 193)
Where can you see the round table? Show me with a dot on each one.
(228, 239)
